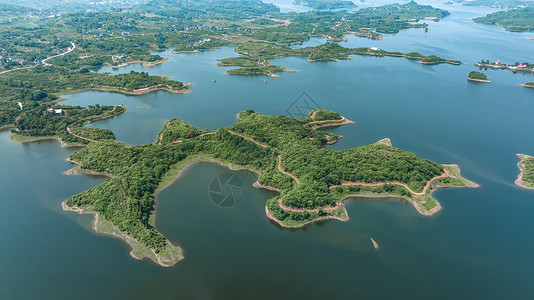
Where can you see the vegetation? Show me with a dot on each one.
(527, 168)
(323, 115)
(178, 130)
(129, 34)
(41, 87)
(254, 56)
(45, 122)
(263, 143)
(474, 75)
(520, 19)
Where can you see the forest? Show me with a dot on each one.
(477, 75)
(528, 172)
(519, 19)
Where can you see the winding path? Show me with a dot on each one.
(179, 141)
(282, 170)
(58, 55)
(43, 61)
(446, 173)
(279, 164)
(340, 122)
(343, 121)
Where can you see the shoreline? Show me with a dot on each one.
(143, 63)
(479, 80)
(137, 250)
(301, 225)
(117, 91)
(343, 121)
(79, 171)
(519, 181)
(527, 86)
(22, 139)
(7, 127)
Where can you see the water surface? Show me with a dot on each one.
(479, 246)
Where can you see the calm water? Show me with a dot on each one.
(479, 246)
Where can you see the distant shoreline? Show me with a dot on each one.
(143, 63)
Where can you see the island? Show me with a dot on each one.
(528, 85)
(478, 77)
(289, 156)
(525, 179)
(497, 65)
(519, 19)
(253, 57)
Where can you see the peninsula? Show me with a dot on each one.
(517, 67)
(288, 154)
(519, 19)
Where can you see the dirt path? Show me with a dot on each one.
(249, 139)
(279, 164)
(446, 173)
(300, 210)
(84, 138)
(282, 170)
(179, 141)
(339, 122)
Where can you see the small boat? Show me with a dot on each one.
(375, 244)
(214, 80)
(266, 81)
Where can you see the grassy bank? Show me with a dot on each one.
(167, 257)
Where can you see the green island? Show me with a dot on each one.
(528, 84)
(478, 77)
(525, 179)
(519, 19)
(253, 58)
(288, 154)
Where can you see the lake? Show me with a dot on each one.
(479, 245)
